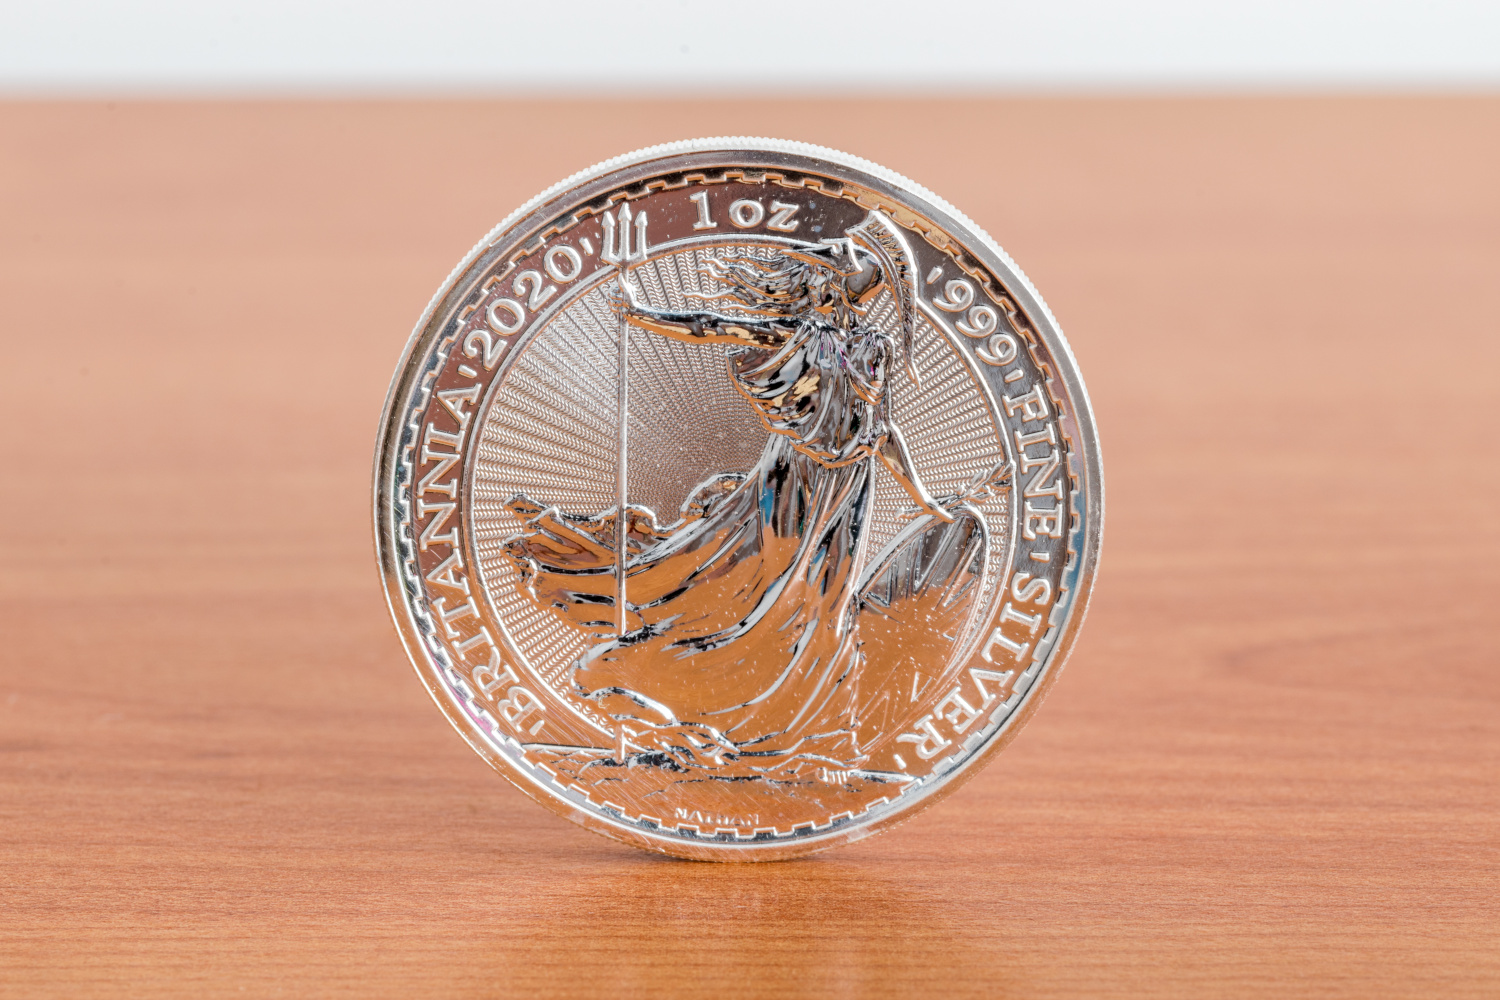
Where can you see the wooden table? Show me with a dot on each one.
(1272, 767)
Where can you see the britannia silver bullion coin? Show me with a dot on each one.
(737, 498)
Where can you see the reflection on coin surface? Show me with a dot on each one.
(736, 498)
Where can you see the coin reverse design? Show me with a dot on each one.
(737, 498)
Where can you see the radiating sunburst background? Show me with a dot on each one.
(549, 432)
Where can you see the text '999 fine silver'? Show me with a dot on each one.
(737, 498)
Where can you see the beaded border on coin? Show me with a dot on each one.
(430, 627)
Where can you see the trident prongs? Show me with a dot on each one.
(617, 249)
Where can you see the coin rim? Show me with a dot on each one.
(752, 152)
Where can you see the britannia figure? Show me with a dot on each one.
(742, 650)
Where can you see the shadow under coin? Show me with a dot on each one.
(816, 928)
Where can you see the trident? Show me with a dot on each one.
(617, 251)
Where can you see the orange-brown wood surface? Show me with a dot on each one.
(1272, 767)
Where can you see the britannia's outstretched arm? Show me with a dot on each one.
(699, 326)
(896, 458)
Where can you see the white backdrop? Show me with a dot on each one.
(742, 46)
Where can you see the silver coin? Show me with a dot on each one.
(737, 498)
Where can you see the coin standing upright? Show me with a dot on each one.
(736, 498)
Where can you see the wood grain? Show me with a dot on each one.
(1271, 769)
